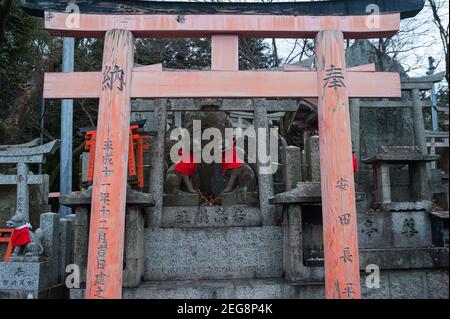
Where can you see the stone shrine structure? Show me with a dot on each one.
(37, 269)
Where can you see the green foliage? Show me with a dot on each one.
(21, 55)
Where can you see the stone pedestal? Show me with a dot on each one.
(418, 178)
(134, 229)
(134, 247)
(293, 243)
(50, 242)
(25, 276)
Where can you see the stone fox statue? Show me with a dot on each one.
(238, 172)
(182, 173)
(25, 242)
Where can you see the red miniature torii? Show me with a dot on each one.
(137, 146)
(118, 82)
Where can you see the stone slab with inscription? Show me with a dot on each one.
(213, 253)
(394, 230)
(211, 216)
(25, 276)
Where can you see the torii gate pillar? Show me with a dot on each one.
(342, 278)
(106, 234)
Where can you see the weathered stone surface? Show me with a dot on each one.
(134, 247)
(292, 172)
(81, 239)
(371, 292)
(65, 246)
(213, 253)
(83, 197)
(211, 216)
(276, 105)
(50, 226)
(400, 154)
(402, 284)
(437, 284)
(411, 229)
(305, 192)
(25, 276)
(380, 126)
(273, 288)
(240, 196)
(394, 230)
(315, 159)
(364, 52)
(265, 181)
(29, 155)
(405, 206)
(182, 199)
(407, 285)
(157, 160)
(312, 157)
(54, 292)
(84, 163)
(293, 243)
(38, 201)
(405, 258)
(374, 230)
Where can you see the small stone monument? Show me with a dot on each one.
(33, 266)
(418, 179)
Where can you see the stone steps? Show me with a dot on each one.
(393, 284)
(268, 288)
(213, 253)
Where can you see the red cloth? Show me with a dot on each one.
(355, 164)
(230, 160)
(187, 168)
(20, 236)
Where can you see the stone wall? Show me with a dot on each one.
(394, 284)
(385, 127)
(213, 252)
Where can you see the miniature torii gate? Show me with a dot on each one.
(331, 83)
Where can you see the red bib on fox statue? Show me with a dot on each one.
(186, 168)
(355, 164)
(21, 236)
(230, 159)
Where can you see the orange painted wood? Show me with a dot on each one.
(224, 52)
(363, 68)
(89, 145)
(7, 240)
(298, 68)
(342, 278)
(106, 235)
(203, 25)
(239, 84)
(146, 68)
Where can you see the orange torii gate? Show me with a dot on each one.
(118, 82)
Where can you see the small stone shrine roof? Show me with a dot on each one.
(399, 154)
